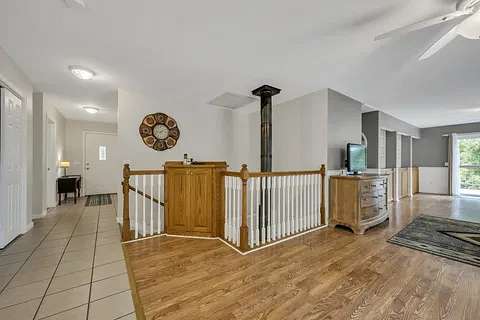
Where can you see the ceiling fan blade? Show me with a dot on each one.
(470, 27)
(437, 46)
(424, 24)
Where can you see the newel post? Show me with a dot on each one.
(244, 175)
(322, 195)
(126, 203)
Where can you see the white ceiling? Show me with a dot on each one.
(193, 51)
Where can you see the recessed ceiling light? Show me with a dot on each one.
(81, 72)
(90, 109)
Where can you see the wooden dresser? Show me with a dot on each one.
(358, 202)
(193, 198)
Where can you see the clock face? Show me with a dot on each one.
(159, 131)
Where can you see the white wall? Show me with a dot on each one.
(74, 140)
(205, 132)
(12, 77)
(299, 134)
(433, 180)
(45, 110)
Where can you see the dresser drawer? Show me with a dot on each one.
(369, 212)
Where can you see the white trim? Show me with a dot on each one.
(228, 244)
(41, 215)
(84, 146)
(47, 122)
(28, 227)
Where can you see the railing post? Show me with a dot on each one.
(322, 195)
(126, 203)
(244, 175)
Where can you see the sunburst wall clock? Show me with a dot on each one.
(159, 131)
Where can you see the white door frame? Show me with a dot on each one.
(51, 199)
(84, 159)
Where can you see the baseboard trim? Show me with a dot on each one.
(39, 216)
(28, 227)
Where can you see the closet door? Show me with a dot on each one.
(200, 213)
(178, 196)
(13, 215)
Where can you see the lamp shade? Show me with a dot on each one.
(64, 164)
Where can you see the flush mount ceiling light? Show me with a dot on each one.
(81, 72)
(90, 109)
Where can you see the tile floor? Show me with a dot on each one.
(69, 266)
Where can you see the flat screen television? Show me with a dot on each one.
(356, 158)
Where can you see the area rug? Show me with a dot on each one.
(98, 200)
(452, 239)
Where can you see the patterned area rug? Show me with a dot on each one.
(452, 239)
(98, 200)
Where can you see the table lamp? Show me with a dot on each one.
(64, 165)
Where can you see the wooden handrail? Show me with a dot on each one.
(272, 174)
(145, 172)
(283, 173)
(146, 195)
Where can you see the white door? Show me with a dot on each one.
(101, 171)
(52, 168)
(12, 167)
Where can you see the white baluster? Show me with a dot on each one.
(226, 194)
(239, 208)
(284, 188)
(290, 224)
(263, 184)
(309, 208)
(257, 210)
(278, 215)
(273, 221)
(232, 230)
(251, 232)
(312, 200)
(144, 224)
(316, 212)
(151, 205)
(268, 209)
(159, 206)
(297, 203)
(136, 207)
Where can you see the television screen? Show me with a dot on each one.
(356, 160)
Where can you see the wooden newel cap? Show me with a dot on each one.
(244, 172)
(126, 170)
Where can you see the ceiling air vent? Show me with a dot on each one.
(232, 100)
(75, 3)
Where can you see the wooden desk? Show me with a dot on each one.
(68, 184)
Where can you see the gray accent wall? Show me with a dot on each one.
(344, 126)
(406, 152)
(432, 149)
(371, 130)
(391, 149)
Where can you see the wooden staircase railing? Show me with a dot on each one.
(156, 184)
(260, 208)
(266, 207)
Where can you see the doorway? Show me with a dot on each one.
(52, 170)
(100, 165)
(469, 171)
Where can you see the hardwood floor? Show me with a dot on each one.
(328, 274)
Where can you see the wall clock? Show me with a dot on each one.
(159, 131)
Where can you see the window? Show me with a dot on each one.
(102, 153)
